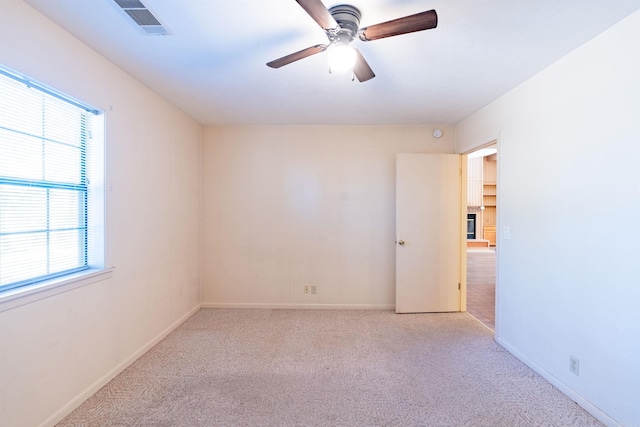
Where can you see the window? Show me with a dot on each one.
(49, 144)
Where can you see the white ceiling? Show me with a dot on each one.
(213, 64)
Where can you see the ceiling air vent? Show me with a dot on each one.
(142, 17)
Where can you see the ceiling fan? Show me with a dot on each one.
(341, 24)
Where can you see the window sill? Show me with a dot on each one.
(28, 294)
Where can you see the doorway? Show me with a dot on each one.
(481, 242)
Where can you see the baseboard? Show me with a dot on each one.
(302, 306)
(78, 400)
(564, 388)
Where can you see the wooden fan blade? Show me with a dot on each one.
(361, 69)
(409, 24)
(297, 56)
(319, 13)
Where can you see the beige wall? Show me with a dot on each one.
(288, 206)
(55, 352)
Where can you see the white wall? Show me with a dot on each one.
(288, 206)
(569, 277)
(55, 351)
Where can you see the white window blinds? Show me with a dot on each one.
(44, 144)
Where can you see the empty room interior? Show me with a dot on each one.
(243, 188)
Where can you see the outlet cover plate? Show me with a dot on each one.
(574, 364)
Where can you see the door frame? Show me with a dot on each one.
(464, 163)
(463, 247)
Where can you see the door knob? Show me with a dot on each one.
(401, 242)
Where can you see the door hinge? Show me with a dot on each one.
(459, 286)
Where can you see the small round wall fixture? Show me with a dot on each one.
(437, 133)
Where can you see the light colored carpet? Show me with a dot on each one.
(328, 368)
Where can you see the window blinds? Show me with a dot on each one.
(44, 142)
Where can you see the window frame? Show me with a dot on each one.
(92, 195)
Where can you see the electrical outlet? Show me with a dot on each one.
(574, 364)
(307, 289)
(314, 289)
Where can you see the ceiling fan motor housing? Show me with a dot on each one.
(348, 17)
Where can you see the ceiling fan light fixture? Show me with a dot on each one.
(341, 25)
(342, 58)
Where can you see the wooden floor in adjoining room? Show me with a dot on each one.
(481, 284)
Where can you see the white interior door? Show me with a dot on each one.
(428, 228)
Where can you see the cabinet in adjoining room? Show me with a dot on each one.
(489, 197)
(482, 196)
